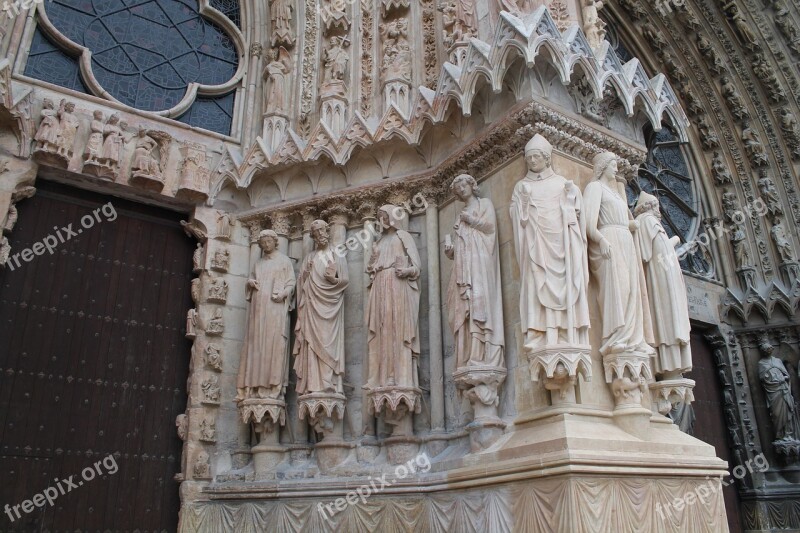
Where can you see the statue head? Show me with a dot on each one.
(319, 233)
(113, 119)
(538, 153)
(464, 186)
(48, 104)
(98, 115)
(765, 347)
(69, 107)
(268, 240)
(647, 203)
(605, 165)
(389, 216)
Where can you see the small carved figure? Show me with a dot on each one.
(112, 144)
(396, 51)
(263, 371)
(753, 145)
(208, 430)
(192, 324)
(593, 25)
(218, 290)
(721, 173)
(770, 194)
(181, 424)
(776, 383)
(213, 357)
(196, 284)
(94, 146)
(787, 26)
(741, 248)
(745, 32)
(216, 326)
(144, 160)
(282, 28)
(783, 244)
(765, 73)
(67, 129)
(198, 258)
(221, 260)
(202, 468)
(734, 99)
(211, 389)
(47, 135)
(276, 75)
(336, 59)
(707, 50)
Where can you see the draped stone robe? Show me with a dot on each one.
(775, 380)
(622, 293)
(319, 333)
(551, 251)
(393, 313)
(666, 290)
(474, 294)
(264, 362)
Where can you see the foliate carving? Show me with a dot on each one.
(55, 138)
(149, 159)
(210, 390)
(429, 40)
(282, 30)
(309, 62)
(367, 52)
(195, 173)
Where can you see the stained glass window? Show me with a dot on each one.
(145, 53)
(229, 8)
(47, 62)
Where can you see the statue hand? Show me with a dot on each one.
(633, 225)
(605, 249)
(253, 284)
(467, 218)
(449, 251)
(279, 296)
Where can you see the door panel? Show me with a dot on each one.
(93, 361)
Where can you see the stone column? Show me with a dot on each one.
(337, 216)
(282, 226)
(367, 212)
(434, 313)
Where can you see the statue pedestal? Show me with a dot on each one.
(397, 405)
(561, 365)
(666, 394)
(480, 385)
(147, 182)
(266, 415)
(325, 412)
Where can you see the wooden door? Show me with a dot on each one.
(93, 363)
(710, 424)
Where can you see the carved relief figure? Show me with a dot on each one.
(721, 173)
(776, 383)
(666, 290)
(67, 128)
(336, 59)
(263, 370)
(753, 145)
(213, 357)
(144, 160)
(47, 135)
(613, 261)
(770, 195)
(218, 290)
(548, 225)
(319, 334)
(221, 260)
(734, 99)
(459, 20)
(281, 16)
(474, 304)
(94, 146)
(593, 25)
(112, 144)
(393, 309)
(396, 51)
(782, 243)
(276, 76)
(211, 389)
(202, 468)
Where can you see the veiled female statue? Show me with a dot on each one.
(615, 264)
(666, 291)
(393, 309)
(547, 219)
(777, 389)
(263, 369)
(474, 295)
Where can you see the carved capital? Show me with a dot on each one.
(281, 223)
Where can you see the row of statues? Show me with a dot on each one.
(562, 237)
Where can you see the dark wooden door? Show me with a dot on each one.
(710, 424)
(93, 363)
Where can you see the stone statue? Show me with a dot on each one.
(770, 194)
(782, 243)
(263, 368)
(474, 302)
(614, 264)
(276, 75)
(721, 173)
(336, 60)
(551, 251)
(666, 289)
(47, 135)
(67, 129)
(112, 144)
(776, 383)
(319, 334)
(94, 146)
(393, 316)
(396, 50)
(593, 25)
(281, 17)
(145, 164)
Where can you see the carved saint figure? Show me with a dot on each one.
(770, 194)
(276, 74)
(281, 16)
(669, 306)
(144, 161)
(593, 25)
(112, 145)
(263, 369)
(47, 134)
(319, 334)
(393, 308)
(782, 243)
(548, 225)
(396, 51)
(67, 128)
(94, 146)
(613, 259)
(776, 383)
(336, 59)
(474, 304)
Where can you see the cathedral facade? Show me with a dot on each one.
(507, 265)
